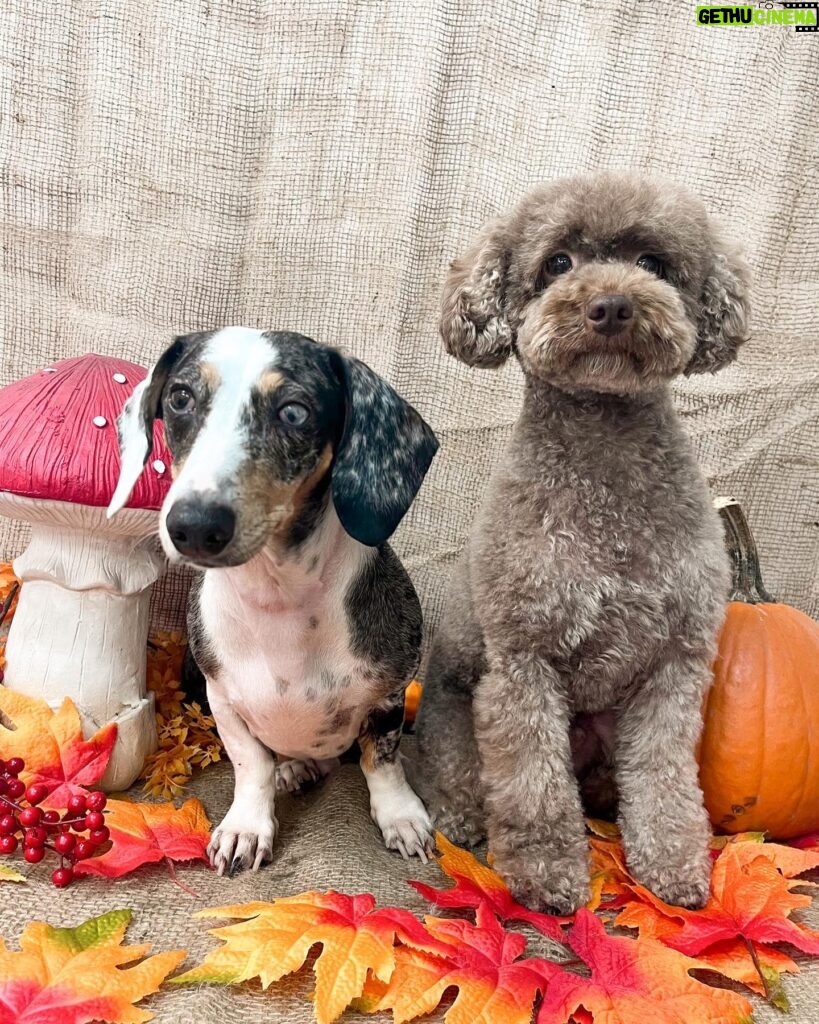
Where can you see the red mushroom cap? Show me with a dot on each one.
(58, 434)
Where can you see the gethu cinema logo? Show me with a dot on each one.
(755, 16)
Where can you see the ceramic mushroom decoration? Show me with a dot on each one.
(81, 624)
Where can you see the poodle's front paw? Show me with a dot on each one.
(463, 828)
(548, 881)
(675, 864)
(687, 886)
(242, 842)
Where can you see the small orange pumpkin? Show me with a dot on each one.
(412, 698)
(759, 753)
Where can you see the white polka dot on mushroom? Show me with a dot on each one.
(120, 378)
(99, 421)
(159, 465)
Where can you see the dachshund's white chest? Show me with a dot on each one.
(286, 666)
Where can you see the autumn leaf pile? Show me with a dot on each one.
(187, 736)
(627, 958)
(650, 969)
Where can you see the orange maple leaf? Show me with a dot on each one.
(76, 975)
(749, 908)
(147, 833)
(790, 861)
(476, 884)
(632, 981)
(52, 745)
(756, 967)
(481, 960)
(9, 592)
(274, 939)
(609, 874)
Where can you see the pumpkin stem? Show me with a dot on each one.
(746, 576)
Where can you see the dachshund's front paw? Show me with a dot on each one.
(241, 842)
(412, 836)
(403, 821)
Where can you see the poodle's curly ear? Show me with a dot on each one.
(724, 308)
(473, 323)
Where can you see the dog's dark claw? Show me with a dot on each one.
(236, 865)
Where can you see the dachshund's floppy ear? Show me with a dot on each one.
(384, 453)
(724, 308)
(136, 422)
(473, 322)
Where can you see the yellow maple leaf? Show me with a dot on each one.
(8, 874)
(76, 975)
(274, 939)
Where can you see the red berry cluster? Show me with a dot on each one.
(40, 830)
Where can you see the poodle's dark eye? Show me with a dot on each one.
(558, 264)
(294, 414)
(653, 264)
(181, 401)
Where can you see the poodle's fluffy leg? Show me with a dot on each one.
(664, 823)
(536, 828)
(449, 762)
(449, 765)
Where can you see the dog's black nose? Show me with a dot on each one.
(609, 314)
(200, 529)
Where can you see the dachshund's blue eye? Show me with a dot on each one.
(558, 264)
(293, 414)
(653, 264)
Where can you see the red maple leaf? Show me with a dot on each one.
(749, 909)
(749, 899)
(476, 884)
(147, 833)
(632, 981)
(480, 960)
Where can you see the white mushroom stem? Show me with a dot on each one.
(81, 625)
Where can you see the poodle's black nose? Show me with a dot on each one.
(609, 314)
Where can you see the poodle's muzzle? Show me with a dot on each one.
(610, 327)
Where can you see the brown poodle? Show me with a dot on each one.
(581, 620)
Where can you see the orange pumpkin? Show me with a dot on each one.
(759, 754)
(412, 698)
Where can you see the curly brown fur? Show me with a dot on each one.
(581, 621)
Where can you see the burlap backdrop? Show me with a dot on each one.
(170, 165)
